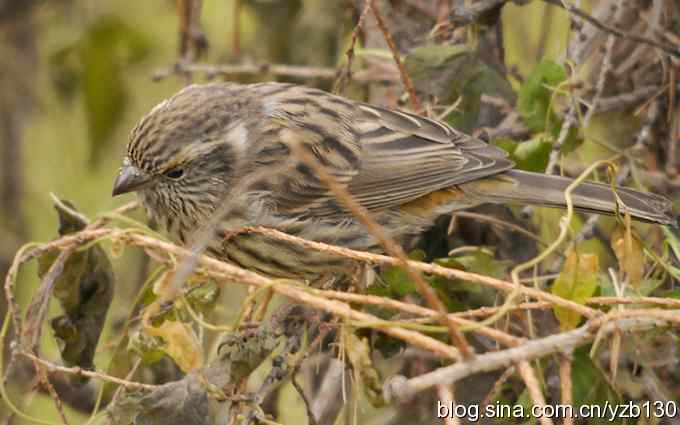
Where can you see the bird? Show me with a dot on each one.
(228, 154)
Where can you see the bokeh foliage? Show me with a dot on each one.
(93, 82)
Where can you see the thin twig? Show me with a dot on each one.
(498, 385)
(37, 310)
(664, 47)
(529, 376)
(345, 74)
(530, 350)
(447, 397)
(405, 78)
(500, 223)
(606, 66)
(45, 382)
(77, 371)
(566, 387)
(211, 70)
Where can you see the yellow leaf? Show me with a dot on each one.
(359, 352)
(628, 250)
(182, 344)
(577, 282)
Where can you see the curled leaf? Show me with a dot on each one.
(84, 290)
(628, 250)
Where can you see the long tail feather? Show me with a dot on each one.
(547, 190)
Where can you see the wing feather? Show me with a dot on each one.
(405, 157)
(384, 157)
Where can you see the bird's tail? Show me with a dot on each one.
(523, 187)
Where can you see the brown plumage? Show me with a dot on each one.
(230, 144)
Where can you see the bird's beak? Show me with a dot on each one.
(129, 179)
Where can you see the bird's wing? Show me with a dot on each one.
(405, 156)
(383, 157)
(311, 121)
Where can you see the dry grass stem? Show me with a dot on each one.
(76, 371)
(364, 76)
(405, 78)
(529, 376)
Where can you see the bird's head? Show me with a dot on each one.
(182, 156)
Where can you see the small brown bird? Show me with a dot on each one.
(229, 144)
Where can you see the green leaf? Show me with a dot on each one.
(674, 294)
(589, 386)
(398, 279)
(571, 142)
(448, 73)
(645, 288)
(532, 155)
(577, 282)
(203, 295)
(483, 262)
(534, 101)
(480, 261)
(149, 348)
(507, 145)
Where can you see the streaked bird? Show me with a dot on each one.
(229, 144)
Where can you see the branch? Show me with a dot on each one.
(530, 350)
(466, 15)
(362, 76)
(666, 48)
(77, 371)
(345, 73)
(405, 78)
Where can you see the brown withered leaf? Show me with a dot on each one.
(82, 282)
(359, 352)
(629, 252)
(181, 343)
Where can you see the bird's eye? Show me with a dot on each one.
(174, 173)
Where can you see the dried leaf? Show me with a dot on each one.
(181, 343)
(628, 250)
(359, 352)
(84, 289)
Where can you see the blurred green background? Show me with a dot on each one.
(87, 66)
